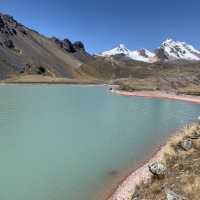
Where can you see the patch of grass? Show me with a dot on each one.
(183, 174)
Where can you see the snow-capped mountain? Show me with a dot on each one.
(121, 49)
(175, 50)
(169, 50)
(140, 55)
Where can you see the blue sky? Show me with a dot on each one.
(102, 25)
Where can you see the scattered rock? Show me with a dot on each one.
(170, 195)
(186, 144)
(135, 196)
(9, 44)
(157, 168)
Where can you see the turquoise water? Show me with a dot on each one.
(70, 142)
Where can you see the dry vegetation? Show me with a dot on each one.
(183, 169)
(48, 80)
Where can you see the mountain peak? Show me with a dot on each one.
(120, 49)
(169, 50)
(139, 55)
(176, 50)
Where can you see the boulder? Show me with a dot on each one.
(157, 168)
(186, 144)
(9, 44)
(170, 195)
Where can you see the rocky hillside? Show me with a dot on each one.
(24, 51)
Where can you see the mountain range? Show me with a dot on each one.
(169, 50)
(25, 54)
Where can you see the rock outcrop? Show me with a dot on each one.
(79, 46)
(67, 45)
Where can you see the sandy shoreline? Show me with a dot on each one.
(160, 95)
(127, 187)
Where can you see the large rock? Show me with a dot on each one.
(170, 195)
(9, 44)
(79, 46)
(65, 44)
(157, 168)
(68, 46)
(186, 144)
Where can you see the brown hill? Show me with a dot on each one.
(25, 51)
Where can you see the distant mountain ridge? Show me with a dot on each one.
(169, 50)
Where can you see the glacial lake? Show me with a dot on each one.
(61, 142)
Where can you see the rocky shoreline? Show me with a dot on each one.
(157, 166)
